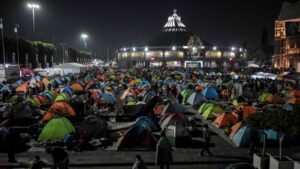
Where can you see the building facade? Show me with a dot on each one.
(176, 47)
(287, 36)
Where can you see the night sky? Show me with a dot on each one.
(116, 23)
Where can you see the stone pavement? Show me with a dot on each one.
(224, 154)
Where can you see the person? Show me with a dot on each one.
(36, 163)
(163, 152)
(60, 157)
(206, 138)
(139, 163)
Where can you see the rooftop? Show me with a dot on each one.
(174, 24)
(290, 10)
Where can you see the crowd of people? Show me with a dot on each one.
(31, 104)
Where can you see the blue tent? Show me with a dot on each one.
(67, 90)
(58, 81)
(210, 93)
(5, 88)
(176, 108)
(196, 99)
(148, 123)
(243, 136)
(287, 107)
(108, 97)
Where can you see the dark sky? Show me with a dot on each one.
(116, 23)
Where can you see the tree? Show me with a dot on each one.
(278, 119)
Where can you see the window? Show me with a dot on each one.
(213, 54)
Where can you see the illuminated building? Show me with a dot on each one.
(287, 36)
(176, 47)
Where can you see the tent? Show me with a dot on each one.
(59, 108)
(148, 123)
(158, 109)
(287, 107)
(77, 88)
(129, 92)
(212, 112)
(44, 100)
(93, 127)
(276, 99)
(225, 120)
(295, 93)
(243, 136)
(23, 88)
(204, 107)
(133, 111)
(264, 97)
(176, 132)
(210, 93)
(196, 99)
(62, 97)
(137, 138)
(173, 108)
(235, 128)
(293, 101)
(56, 129)
(186, 94)
(68, 90)
(247, 111)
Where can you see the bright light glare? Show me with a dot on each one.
(214, 48)
(233, 48)
(84, 36)
(34, 6)
(146, 49)
(174, 48)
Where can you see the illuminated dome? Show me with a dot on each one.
(174, 24)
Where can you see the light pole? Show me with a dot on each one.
(3, 47)
(84, 37)
(63, 48)
(33, 6)
(17, 39)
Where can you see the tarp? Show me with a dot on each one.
(56, 129)
(196, 99)
(210, 93)
(137, 138)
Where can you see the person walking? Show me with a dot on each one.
(163, 152)
(60, 157)
(139, 163)
(206, 138)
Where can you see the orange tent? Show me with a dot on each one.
(199, 88)
(159, 108)
(23, 88)
(295, 93)
(247, 111)
(294, 100)
(45, 80)
(40, 85)
(76, 88)
(225, 120)
(234, 129)
(276, 99)
(132, 83)
(43, 100)
(59, 108)
(129, 91)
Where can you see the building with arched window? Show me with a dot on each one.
(177, 47)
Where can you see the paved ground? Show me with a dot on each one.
(224, 154)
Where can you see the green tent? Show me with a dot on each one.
(56, 129)
(264, 97)
(285, 92)
(204, 107)
(186, 94)
(208, 113)
(62, 97)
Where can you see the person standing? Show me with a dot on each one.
(163, 152)
(206, 138)
(139, 163)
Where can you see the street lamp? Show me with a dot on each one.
(17, 39)
(3, 47)
(84, 37)
(174, 48)
(33, 6)
(232, 48)
(214, 48)
(63, 48)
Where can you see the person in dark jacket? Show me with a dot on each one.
(206, 138)
(139, 163)
(163, 152)
(60, 157)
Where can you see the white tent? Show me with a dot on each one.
(71, 67)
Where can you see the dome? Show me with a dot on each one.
(174, 24)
